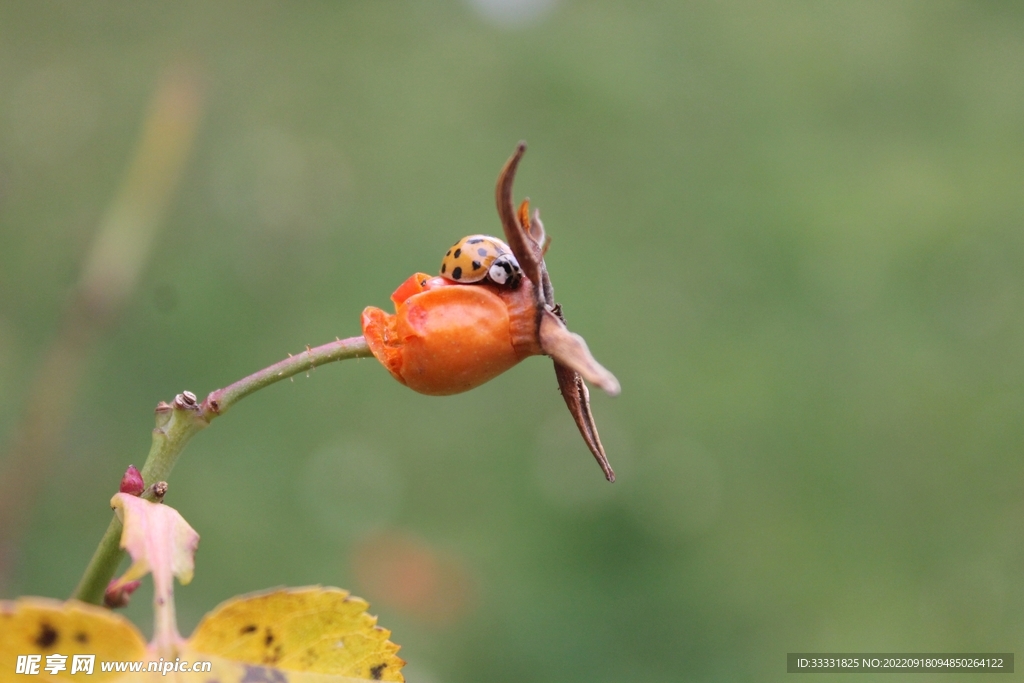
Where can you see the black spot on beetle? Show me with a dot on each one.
(47, 636)
(475, 240)
(458, 253)
(82, 637)
(457, 273)
(444, 267)
(269, 638)
(482, 251)
(376, 672)
(248, 628)
(476, 265)
(449, 253)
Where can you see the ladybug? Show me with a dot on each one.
(478, 257)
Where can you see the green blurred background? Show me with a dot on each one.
(792, 229)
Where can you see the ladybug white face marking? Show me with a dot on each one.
(479, 257)
(504, 270)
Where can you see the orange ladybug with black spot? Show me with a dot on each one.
(481, 257)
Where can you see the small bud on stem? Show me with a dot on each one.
(119, 595)
(186, 400)
(131, 482)
(156, 492)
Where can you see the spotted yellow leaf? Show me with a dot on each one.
(314, 630)
(41, 626)
(303, 635)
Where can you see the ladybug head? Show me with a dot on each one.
(505, 271)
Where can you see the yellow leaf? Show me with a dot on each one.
(41, 626)
(303, 635)
(314, 630)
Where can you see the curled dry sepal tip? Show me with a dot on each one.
(573, 360)
(447, 337)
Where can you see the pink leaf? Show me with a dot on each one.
(160, 541)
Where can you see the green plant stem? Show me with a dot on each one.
(179, 422)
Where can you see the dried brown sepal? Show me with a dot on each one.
(573, 361)
(526, 251)
(533, 227)
(570, 350)
(577, 399)
(536, 229)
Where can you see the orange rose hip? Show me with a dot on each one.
(446, 338)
